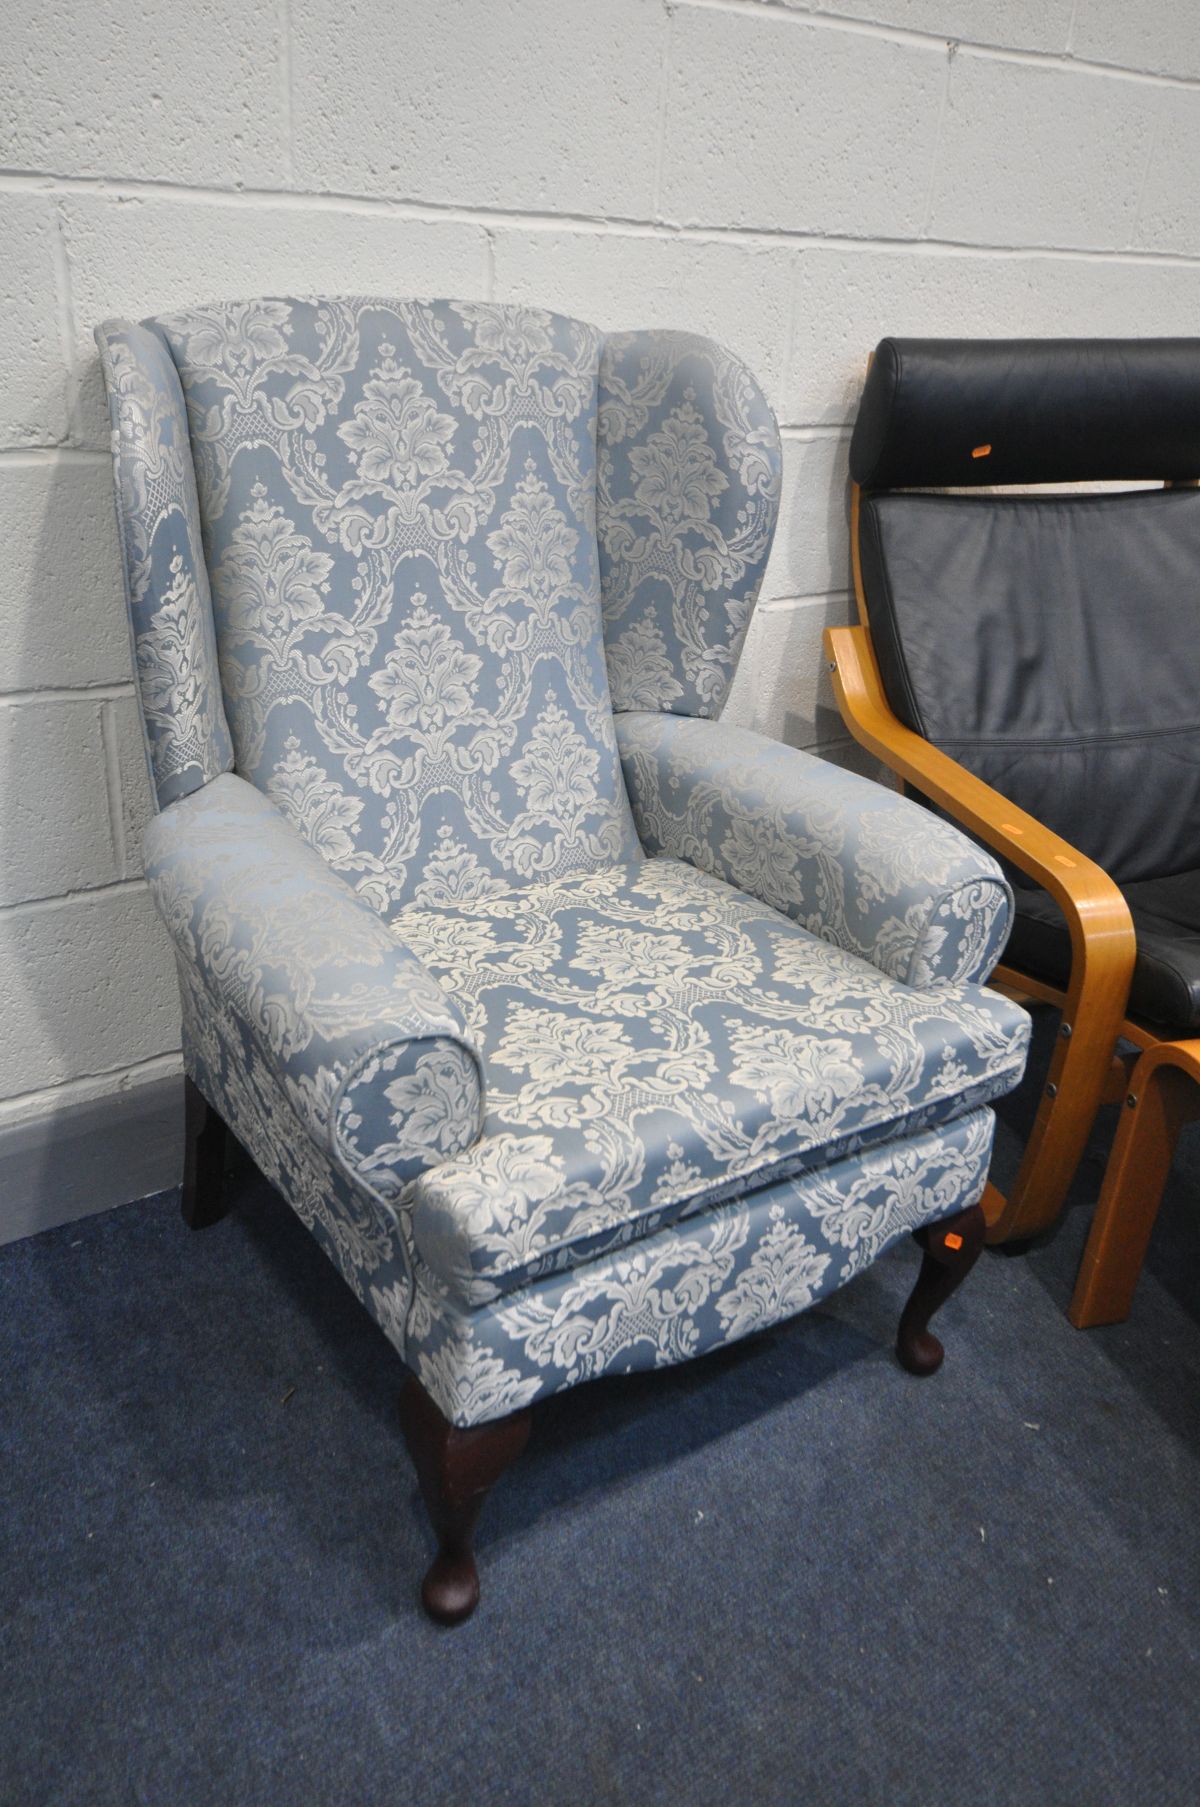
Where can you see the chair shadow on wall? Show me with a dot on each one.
(803, 711)
(67, 1162)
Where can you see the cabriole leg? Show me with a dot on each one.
(456, 1470)
(204, 1198)
(951, 1249)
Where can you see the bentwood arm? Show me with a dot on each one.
(1102, 937)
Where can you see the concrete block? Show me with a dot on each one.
(1012, 24)
(62, 608)
(86, 986)
(33, 394)
(193, 96)
(847, 300)
(547, 105)
(777, 123)
(1035, 155)
(141, 255)
(811, 553)
(1159, 36)
(782, 685)
(54, 826)
(738, 294)
(1167, 219)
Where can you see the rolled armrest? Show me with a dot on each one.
(843, 857)
(375, 1058)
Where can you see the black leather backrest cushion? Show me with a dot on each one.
(1052, 646)
(1046, 410)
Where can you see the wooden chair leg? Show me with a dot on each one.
(204, 1199)
(1164, 1094)
(456, 1470)
(951, 1250)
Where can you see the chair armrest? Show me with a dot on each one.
(1103, 944)
(842, 856)
(373, 1055)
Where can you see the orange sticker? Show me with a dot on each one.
(953, 1241)
(981, 451)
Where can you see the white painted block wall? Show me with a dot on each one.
(795, 179)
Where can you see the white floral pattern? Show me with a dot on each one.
(396, 435)
(398, 507)
(680, 1291)
(691, 1287)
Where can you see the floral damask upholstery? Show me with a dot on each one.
(347, 1020)
(688, 491)
(711, 1280)
(856, 865)
(583, 1032)
(166, 577)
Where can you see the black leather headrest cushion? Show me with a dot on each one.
(942, 413)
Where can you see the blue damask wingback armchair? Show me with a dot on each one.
(584, 1033)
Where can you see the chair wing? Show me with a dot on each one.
(689, 473)
(166, 578)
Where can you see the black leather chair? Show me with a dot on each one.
(1031, 663)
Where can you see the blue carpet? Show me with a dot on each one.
(786, 1574)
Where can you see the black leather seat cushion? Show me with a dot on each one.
(1166, 916)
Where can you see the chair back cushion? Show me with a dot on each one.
(954, 413)
(398, 506)
(1050, 644)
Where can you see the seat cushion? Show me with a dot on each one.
(655, 1041)
(698, 1285)
(1166, 977)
